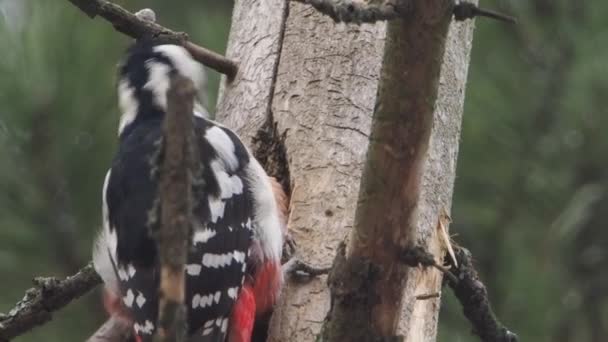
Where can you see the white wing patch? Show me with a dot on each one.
(126, 273)
(127, 103)
(122, 274)
(104, 249)
(217, 207)
(130, 270)
(129, 298)
(217, 260)
(203, 235)
(146, 328)
(222, 260)
(229, 185)
(193, 269)
(232, 292)
(140, 300)
(223, 145)
(184, 63)
(203, 301)
(158, 82)
(239, 256)
(266, 224)
(224, 325)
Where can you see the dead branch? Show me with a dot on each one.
(468, 288)
(300, 271)
(48, 295)
(371, 281)
(138, 27)
(359, 12)
(174, 234)
(467, 10)
(473, 297)
(416, 256)
(371, 12)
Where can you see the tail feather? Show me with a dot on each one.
(243, 316)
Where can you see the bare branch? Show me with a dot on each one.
(138, 27)
(48, 295)
(176, 206)
(473, 297)
(371, 12)
(372, 278)
(467, 10)
(359, 12)
(417, 256)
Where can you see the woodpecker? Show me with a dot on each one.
(233, 272)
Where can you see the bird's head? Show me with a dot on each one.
(144, 78)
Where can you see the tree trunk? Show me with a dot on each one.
(368, 285)
(317, 81)
(324, 96)
(419, 318)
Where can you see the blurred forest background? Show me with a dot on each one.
(530, 199)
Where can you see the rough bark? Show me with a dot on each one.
(255, 41)
(317, 81)
(324, 96)
(368, 290)
(473, 296)
(173, 237)
(419, 317)
(39, 303)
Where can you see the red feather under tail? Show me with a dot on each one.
(243, 316)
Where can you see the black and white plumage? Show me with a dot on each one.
(234, 209)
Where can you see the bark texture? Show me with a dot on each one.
(48, 296)
(174, 235)
(419, 318)
(324, 96)
(317, 81)
(255, 42)
(368, 288)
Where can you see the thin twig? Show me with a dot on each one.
(301, 271)
(48, 295)
(417, 256)
(473, 297)
(467, 10)
(136, 27)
